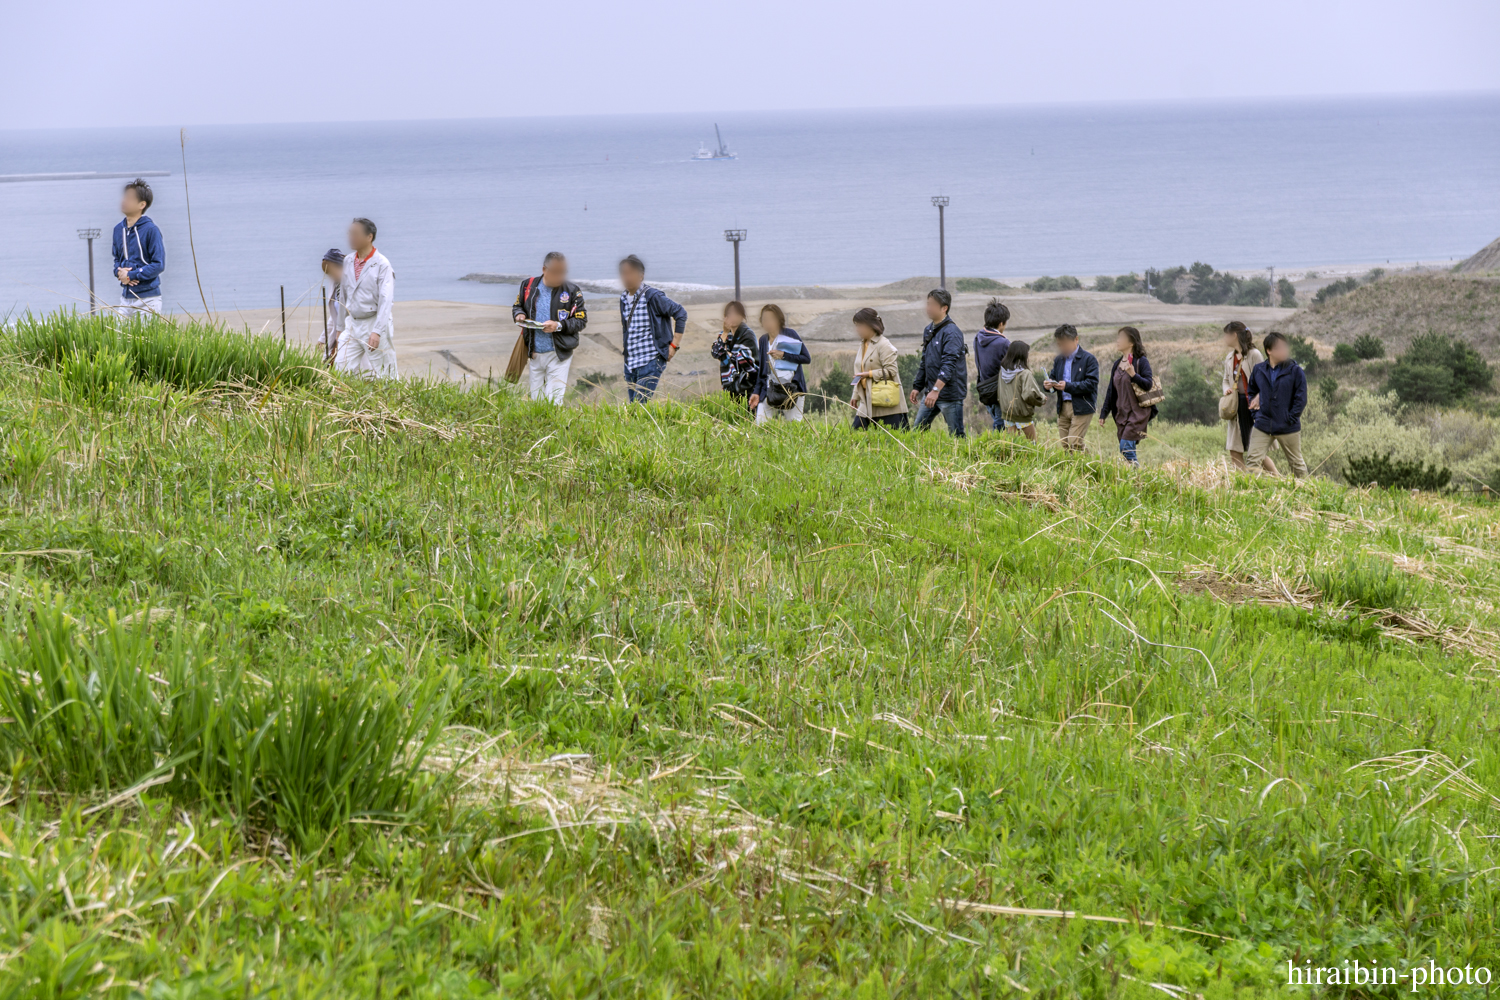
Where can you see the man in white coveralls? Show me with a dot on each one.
(366, 330)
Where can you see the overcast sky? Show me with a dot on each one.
(183, 62)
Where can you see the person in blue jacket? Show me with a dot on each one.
(652, 325)
(1075, 379)
(139, 252)
(942, 379)
(1278, 395)
(781, 389)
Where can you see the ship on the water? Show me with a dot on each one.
(721, 152)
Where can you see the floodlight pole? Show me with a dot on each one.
(941, 201)
(91, 235)
(735, 236)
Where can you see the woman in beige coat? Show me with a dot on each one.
(875, 361)
(1241, 360)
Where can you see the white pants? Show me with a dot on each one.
(764, 412)
(356, 357)
(131, 307)
(549, 375)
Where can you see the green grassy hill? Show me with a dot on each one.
(319, 688)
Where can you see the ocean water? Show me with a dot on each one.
(830, 197)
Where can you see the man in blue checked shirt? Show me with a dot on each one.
(652, 326)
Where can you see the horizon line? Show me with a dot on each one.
(1073, 104)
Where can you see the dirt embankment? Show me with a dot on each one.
(1400, 307)
(1483, 262)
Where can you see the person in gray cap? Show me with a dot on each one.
(333, 291)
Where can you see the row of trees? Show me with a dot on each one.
(1200, 285)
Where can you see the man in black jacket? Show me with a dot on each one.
(549, 308)
(942, 376)
(1075, 379)
(652, 325)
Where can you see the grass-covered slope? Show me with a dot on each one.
(1403, 306)
(389, 690)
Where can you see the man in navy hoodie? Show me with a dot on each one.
(1278, 395)
(652, 325)
(990, 345)
(139, 252)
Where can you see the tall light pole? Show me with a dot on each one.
(1271, 295)
(736, 236)
(941, 201)
(91, 235)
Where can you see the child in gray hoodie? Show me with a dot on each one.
(1016, 393)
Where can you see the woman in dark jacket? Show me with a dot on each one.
(734, 349)
(782, 355)
(1131, 369)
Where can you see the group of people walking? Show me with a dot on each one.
(1264, 391)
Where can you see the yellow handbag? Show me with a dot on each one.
(887, 393)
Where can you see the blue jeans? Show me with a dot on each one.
(1127, 451)
(640, 383)
(952, 412)
(997, 416)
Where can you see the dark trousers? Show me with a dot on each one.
(895, 421)
(1246, 417)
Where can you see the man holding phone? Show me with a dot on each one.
(1075, 379)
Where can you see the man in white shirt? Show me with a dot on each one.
(366, 329)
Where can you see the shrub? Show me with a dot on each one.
(906, 366)
(1334, 289)
(1345, 354)
(1288, 293)
(595, 380)
(1305, 354)
(1363, 582)
(1163, 284)
(831, 390)
(1210, 287)
(1064, 283)
(1367, 346)
(981, 285)
(1421, 383)
(1396, 474)
(1121, 283)
(1190, 397)
(1328, 388)
(1437, 369)
(1253, 292)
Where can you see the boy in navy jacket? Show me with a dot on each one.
(1278, 395)
(139, 252)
